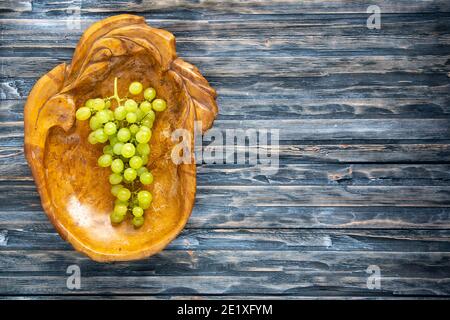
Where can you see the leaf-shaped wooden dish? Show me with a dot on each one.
(74, 190)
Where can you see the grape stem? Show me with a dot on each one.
(116, 94)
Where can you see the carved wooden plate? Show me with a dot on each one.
(74, 190)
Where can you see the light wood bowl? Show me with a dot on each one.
(74, 190)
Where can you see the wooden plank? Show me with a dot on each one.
(266, 108)
(330, 45)
(319, 174)
(281, 196)
(311, 36)
(207, 215)
(263, 108)
(242, 27)
(264, 285)
(239, 272)
(310, 129)
(266, 30)
(33, 236)
(315, 88)
(363, 153)
(22, 195)
(296, 67)
(15, 5)
(244, 7)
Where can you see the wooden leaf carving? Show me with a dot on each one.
(74, 191)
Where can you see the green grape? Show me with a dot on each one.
(117, 201)
(98, 104)
(115, 178)
(129, 174)
(144, 205)
(138, 212)
(135, 88)
(108, 149)
(113, 140)
(159, 105)
(150, 115)
(120, 113)
(128, 150)
(94, 123)
(91, 138)
(117, 149)
(101, 136)
(89, 103)
(104, 138)
(135, 162)
(111, 115)
(116, 217)
(138, 221)
(149, 94)
(134, 128)
(140, 114)
(145, 106)
(115, 189)
(121, 209)
(117, 166)
(143, 136)
(103, 116)
(107, 104)
(124, 135)
(146, 178)
(131, 105)
(141, 170)
(124, 194)
(83, 113)
(110, 128)
(143, 148)
(145, 199)
(131, 117)
(104, 160)
(144, 159)
(147, 123)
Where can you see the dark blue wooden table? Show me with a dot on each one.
(363, 187)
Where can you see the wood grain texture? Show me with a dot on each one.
(249, 272)
(364, 155)
(263, 108)
(251, 6)
(15, 6)
(294, 217)
(279, 196)
(41, 236)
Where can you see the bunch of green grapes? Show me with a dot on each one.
(126, 132)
